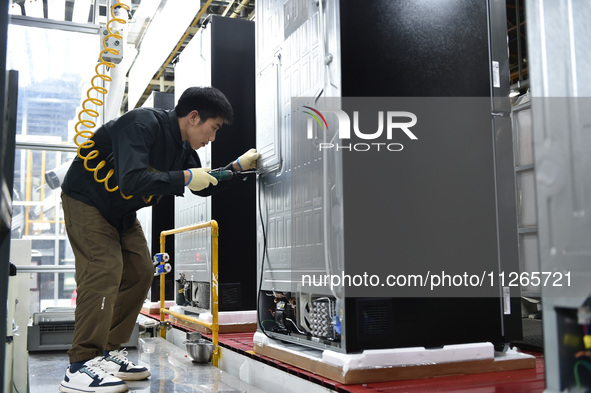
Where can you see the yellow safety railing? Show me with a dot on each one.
(213, 325)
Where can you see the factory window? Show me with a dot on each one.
(54, 72)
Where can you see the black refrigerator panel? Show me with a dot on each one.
(415, 49)
(453, 203)
(398, 322)
(233, 73)
(221, 55)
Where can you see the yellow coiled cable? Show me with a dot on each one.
(90, 124)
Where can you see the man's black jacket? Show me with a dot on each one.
(145, 149)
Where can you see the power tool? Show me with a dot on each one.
(223, 175)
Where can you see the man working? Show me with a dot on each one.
(152, 153)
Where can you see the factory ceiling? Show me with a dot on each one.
(141, 13)
(96, 12)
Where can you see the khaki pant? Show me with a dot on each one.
(113, 275)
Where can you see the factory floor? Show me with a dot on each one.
(172, 371)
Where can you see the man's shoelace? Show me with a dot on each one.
(120, 355)
(94, 369)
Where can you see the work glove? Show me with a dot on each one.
(248, 160)
(200, 179)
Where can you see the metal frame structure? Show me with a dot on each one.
(526, 195)
(213, 325)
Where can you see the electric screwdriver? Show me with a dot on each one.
(223, 175)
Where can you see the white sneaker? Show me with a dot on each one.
(91, 378)
(117, 364)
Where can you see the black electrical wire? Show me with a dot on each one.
(262, 263)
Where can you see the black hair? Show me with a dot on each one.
(208, 101)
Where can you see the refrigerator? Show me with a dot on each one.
(561, 107)
(339, 208)
(221, 55)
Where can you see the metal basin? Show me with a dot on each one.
(200, 351)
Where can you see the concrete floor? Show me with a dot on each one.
(171, 371)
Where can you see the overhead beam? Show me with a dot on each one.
(53, 24)
(160, 82)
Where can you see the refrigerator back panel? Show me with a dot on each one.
(290, 63)
(559, 57)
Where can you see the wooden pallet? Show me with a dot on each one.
(315, 364)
